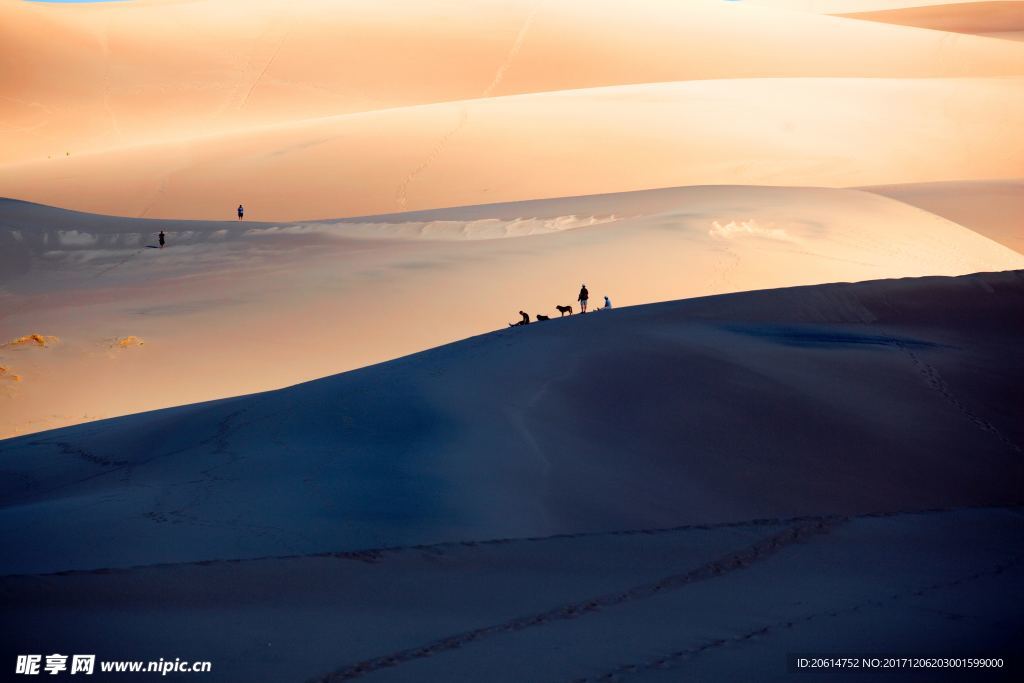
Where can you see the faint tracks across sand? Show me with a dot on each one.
(741, 559)
(937, 383)
(671, 659)
(381, 554)
(402, 192)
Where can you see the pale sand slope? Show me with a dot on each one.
(82, 78)
(1007, 35)
(234, 308)
(994, 208)
(964, 17)
(852, 398)
(837, 132)
(848, 6)
(723, 603)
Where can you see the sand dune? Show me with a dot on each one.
(850, 6)
(707, 603)
(965, 17)
(838, 132)
(561, 427)
(761, 463)
(233, 308)
(86, 78)
(993, 208)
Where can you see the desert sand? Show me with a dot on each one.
(231, 308)
(343, 109)
(984, 18)
(93, 76)
(791, 132)
(673, 506)
(307, 446)
(993, 208)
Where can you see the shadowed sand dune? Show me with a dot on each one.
(965, 17)
(994, 208)
(231, 308)
(687, 412)
(716, 602)
(86, 78)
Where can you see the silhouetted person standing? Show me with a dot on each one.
(160, 238)
(584, 295)
(241, 212)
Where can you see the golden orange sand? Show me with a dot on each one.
(317, 110)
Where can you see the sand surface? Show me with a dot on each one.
(230, 308)
(746, 457)
(993, 208)
(340, 109)
(966, 17)
(647, 416)
(703, 603)
(837, 132)
(762, 478)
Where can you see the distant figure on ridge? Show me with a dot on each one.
(524, 321)
(607, 304)
(160, 238)
(584, 295)
(241, 212)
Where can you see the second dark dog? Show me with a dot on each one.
(542, 317)
(563, 310)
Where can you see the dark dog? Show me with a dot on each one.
(563, 310)
(542, 317)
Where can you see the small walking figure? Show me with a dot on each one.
(241, 212)
(584, 295)
(160, 238)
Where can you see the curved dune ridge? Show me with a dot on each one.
(230, 308)
(994, 208)
(88, 77)
(183, 110)
(837, 132)
(558, 428)
(94, 99)
(1001, 16)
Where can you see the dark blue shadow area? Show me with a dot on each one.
(824, 337)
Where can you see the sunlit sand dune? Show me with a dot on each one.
(965, 17)
(839, 132)
(994, 208)
(82, 78)
(847, 6)
(311, 445)
(230, 308)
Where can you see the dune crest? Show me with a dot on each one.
(85, 78)
(482, 438)
(838, 132)
(1000, 16)
(994, 208)
(232, 303)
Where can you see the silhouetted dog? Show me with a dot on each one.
(542, 317)
(563, 310)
